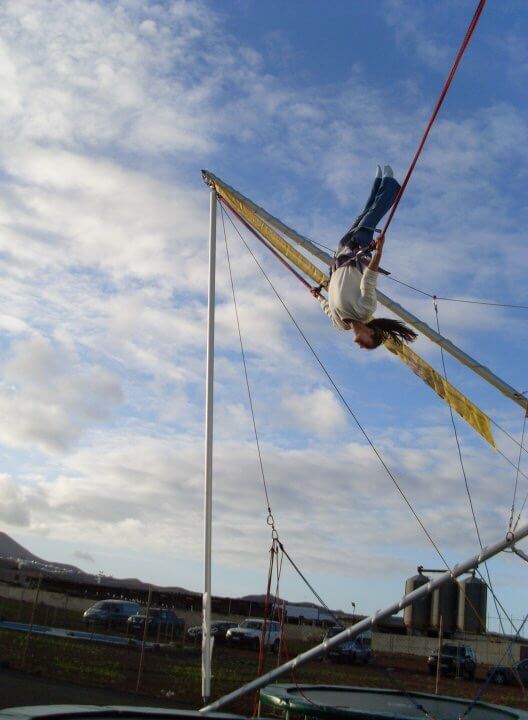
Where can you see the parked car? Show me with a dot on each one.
(459, 660)
(161, 620)
(354, 650)
(504, 675)
(113, 613)
(249, 632)
(219, 630)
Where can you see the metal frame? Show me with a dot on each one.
(385, 300)
(485, 554)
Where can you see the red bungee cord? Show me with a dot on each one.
(436, 110)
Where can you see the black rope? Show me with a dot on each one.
(325, 247)
(436, 297)
(400, 282)
(375, 451)
(510, 436)
(243, 354)
(492, 673)
(384, 671)
(343, 400)
(459, 300)
(462, 466)
(497, 601)
(520, 511)
(305, 579)
(451, 414)
(393, 680)
(517, 474)
(353, 416)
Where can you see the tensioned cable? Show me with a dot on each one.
(514, 440)
(517, 473)
(321, 245)
(509, 618)
(459, 300)
(436, 110)
(253, 231)
(391, 679)
(383, 670)
(521, 510)
(284, 552)
(455, 431)
(462, 467)
(254, 421)
(302, 280)
(491, 674)
(343, 399)
(436, 297)
(305, 579)
(245, 368)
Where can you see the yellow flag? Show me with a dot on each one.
(467, 410)
(278, 242)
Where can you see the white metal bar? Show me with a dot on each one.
(385, 300)
(485, 554)
(208, 501)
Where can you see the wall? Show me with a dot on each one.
(488, 650)
(191, 617)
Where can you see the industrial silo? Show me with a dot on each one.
(472, 606)
(444, 604)
(418, 615)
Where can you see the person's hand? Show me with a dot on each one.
(316, 291)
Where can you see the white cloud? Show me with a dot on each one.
(84, 556)
(14, 509)
(108, 111)
(414, 32)
(317, 412)
(48, 398)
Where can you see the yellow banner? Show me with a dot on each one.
(469, 412)
(453, 397)
(278, 242)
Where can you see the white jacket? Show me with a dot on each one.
(351, 296)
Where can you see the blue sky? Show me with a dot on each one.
(109, 112)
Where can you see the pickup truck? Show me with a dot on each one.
(458, 660)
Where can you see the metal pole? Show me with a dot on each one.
(485, 554)
(208, 502)
(31, 621)
(439, 659)
(145, 630)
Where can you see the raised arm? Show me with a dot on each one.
(376, 257)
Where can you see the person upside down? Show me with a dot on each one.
(352, 287)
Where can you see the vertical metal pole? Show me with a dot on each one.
(208, 503)
(439, 660)
(31, 622)
(145, 631)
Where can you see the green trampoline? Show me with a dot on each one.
(338, 701)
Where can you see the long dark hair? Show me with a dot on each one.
(388, 329)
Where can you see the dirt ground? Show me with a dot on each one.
(172, 676)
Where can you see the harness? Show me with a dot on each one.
(357, 256)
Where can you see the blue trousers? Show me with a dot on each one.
(381, 199)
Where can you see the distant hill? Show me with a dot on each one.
(11, 550)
